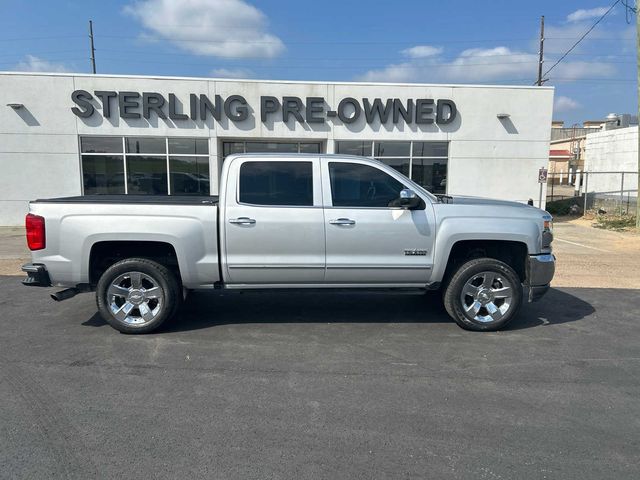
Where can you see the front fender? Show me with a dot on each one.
(456, 229)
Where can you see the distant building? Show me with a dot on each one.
(612, 150)
(597, 124)
(612, 163)
(568, 146)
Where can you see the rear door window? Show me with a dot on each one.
(276, 183)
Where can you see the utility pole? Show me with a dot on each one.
(93, 50)
(541, 52)
(638, 87)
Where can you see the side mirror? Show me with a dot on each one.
(409, 199)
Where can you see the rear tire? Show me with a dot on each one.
(483, 294)
(137, 295)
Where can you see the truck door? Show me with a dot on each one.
(274, 222)
(369, 242)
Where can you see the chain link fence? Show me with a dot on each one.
(613, 192)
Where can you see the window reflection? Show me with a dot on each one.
(102, 174)
(146, 161)
(189, 175)
(147, 175)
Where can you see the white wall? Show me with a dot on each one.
(612, 151)
(487, 156)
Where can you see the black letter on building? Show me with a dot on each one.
(398, 109)
(357, 110)
(424, 107)
(268, 105)
(81, 98)
(152, 101)
(193, 102)
(371, 110)
(105, 97)
(453, 111)
(207, 106)
(173, 112)
(314, 105)
(291, 105)
(241, 112)
(126, 101)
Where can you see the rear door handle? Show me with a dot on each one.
(242, 221)
(342, 221)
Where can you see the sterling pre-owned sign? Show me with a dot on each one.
(235, 107)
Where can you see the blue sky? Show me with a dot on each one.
(398, 41)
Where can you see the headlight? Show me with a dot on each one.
(547, 233)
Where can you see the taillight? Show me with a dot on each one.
(36, 239)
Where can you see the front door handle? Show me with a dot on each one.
(242, 221)
(342, 221)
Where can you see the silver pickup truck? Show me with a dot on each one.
(292, 221)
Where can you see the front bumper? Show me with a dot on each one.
(37, 275)
(539, 275)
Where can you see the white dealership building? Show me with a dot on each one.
(65, 134)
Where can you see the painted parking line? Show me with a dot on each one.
(581, 245)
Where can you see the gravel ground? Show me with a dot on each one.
(596, 258)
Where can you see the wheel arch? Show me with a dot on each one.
(513, 253)
(103, 254)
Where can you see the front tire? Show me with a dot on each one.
(137, 295)
(484, 294)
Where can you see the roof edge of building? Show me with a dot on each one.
(254, 80)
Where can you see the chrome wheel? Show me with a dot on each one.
(135, 298)
(487, 297)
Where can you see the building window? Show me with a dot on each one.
(229, 148)
(150, 165)
(424, 162)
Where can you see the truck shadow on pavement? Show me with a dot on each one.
(208, 309)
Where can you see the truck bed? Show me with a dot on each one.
(75, 226)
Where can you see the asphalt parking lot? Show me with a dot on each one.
(291, 386)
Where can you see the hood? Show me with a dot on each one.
(465, 200)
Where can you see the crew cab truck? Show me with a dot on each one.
(292, 221)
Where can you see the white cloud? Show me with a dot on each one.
(220, 28)
(422, 51)
(503, 64)
(31, 63)
(570, 70)
(586, 14)
(565, 104)
(499, 64)
(472, 65)
(231, 73)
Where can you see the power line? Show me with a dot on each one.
(365, 66)
(338, 42)
(39, 38)
(333, 58)
(581, 38)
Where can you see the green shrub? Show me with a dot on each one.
(563, 207)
